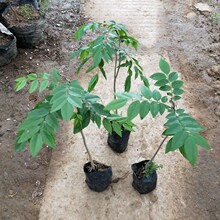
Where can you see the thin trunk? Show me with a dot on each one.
(115, 79)
(151, 160)
(87, 149)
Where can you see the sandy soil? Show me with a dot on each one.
(190, 41)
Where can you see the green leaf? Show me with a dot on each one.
(162, 108)
(85, 120)
(165, 88)
(84, 54)
(32, 76)
(36, 143)
(116, 104)
(43, 85)
(27, 134)
(133, 109)
(99, 109)
(173, 76)
(57, 104)
(154, 108)
(180, 111)
(93, 82)
(176, 97)
(146, 92)
(75, 54)
(56, 75)
(200, 140)
(74, 101)
(158, 76)
(145, 81)
(77, 126)
(156, 95)
(107, 125)
(178, 92)
(194, 128)
(177, 84)
(173, 129)
(40, 112)
(67, 111)
(168, 146)
(82, 64)
(52, 121)
(178, 140)
(29, 121)
(80, 32)
(144, 109)
(97, 57)
(164, 99)
(102, 69)
(20, 83)
(191, 151)
(127, 127)
(161, 82)
(45, 76)
(48, 138)
(164, 66)
(33, 86)
(97, 120)
(117, 128)
(20, 146)
(128, 83)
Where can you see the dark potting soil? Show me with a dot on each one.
(22, 15)
(98, 167)
(4, 39)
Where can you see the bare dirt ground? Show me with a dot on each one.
(176, 30)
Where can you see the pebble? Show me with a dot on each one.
(191, 16)
(203, 7)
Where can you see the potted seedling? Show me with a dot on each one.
(181, 129)
(111, 43)
(66, 101)
(25, 22)
(8, 48)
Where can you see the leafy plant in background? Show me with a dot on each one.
(181, 129)
(111, 45)
(66, 101)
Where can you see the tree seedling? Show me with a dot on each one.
(181, 129)
(111, 43)
(66, 101)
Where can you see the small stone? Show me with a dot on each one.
(37, 183)
(153, 198)
(191, 16)
(37, 194)
(11, 192)
(210, 72)
(203, 7)
(216, 69)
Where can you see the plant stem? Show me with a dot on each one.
(115, 75)
(151, 160)
(87, 149)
